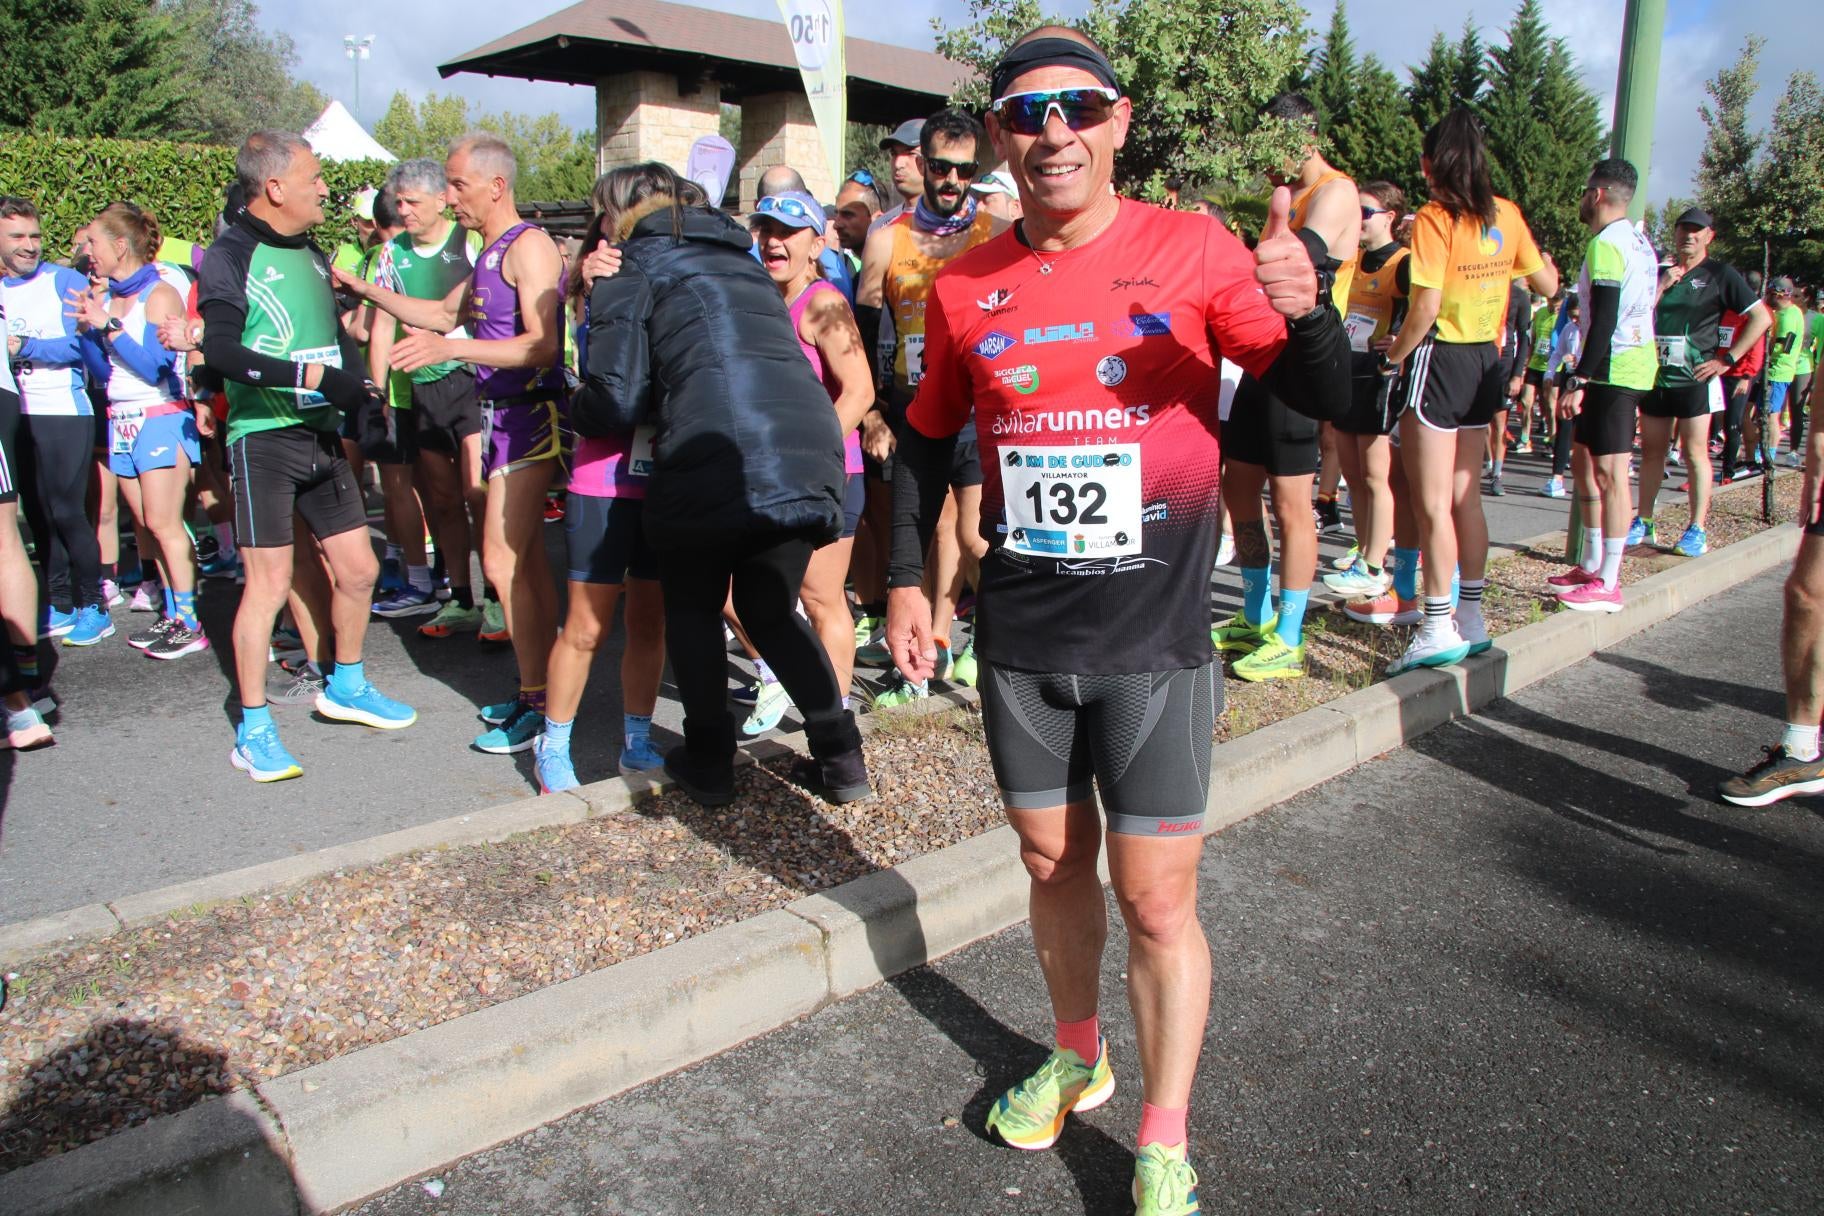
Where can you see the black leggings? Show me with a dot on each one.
(1735, 404)
(56, 453)
(1795, 409)
(767, 572)
(1561, 447)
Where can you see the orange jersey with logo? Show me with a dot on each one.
(1472, 267)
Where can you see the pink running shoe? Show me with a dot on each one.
(1593, 596)
(1573, 578)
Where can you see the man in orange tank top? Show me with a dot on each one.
(1272, 444)
(898, 264)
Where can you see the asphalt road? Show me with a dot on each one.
(1528, 964)
(138, 792)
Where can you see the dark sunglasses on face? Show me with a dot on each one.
(1369, 213)
(964, 169)
(1027, 113)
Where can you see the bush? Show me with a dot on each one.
(71, 180)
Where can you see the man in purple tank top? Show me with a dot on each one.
(512, 305)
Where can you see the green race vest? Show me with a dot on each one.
(291, 314)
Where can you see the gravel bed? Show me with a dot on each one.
(148, 1022)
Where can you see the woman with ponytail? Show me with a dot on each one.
(1468, 245)
(152, 436)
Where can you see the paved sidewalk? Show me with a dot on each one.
(1526, 964)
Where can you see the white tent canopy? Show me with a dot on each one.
(337, 136)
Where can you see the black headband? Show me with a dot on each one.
(1049, 52)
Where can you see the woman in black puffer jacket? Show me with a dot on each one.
(691, 335)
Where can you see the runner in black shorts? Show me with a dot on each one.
(1695, 291)
(1100, 505)
(1272, 445)
(1468, 245)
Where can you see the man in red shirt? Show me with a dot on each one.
(1085, 342)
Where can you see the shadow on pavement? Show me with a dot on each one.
(1685, 691)
(118, 1075)
(802, 841)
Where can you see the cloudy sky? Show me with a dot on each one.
(1701, 36)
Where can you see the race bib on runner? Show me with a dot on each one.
(1360, 330)
(915, 358)
(1672, 350)
(1072, 501)
(125, 429)
(1725, 337)
(329, 356)
(639, 452)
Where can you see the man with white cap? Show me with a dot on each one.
(997, 195)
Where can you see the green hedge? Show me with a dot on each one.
(71, 180)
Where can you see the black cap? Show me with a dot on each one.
(1695, 217)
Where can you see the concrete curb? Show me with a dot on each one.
(353, 1126)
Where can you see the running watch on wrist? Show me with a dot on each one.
(1726, 357)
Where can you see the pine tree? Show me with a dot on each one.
(1521, 144)
(1387, 140)
(1571, 115)
(1332, 88)
(1725, 170)
(1471, 64)
(1432, 91)
(1790, 181)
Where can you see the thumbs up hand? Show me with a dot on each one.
(1282, 263)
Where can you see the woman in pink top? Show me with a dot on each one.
(788, 236)
(607, 550)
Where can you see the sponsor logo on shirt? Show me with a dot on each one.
(494, 260)
(1084, 331)
(1112, 370)
(273, 276)
(996, 344)
(1031, 422)
(1022, 379)
(449, 257)
(1154, 512)
(1130, 284)
(1492, 241)
(996, 299)
(1151, 324)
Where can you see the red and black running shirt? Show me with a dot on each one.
(1092, 378)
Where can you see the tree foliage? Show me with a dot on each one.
(1725, 168)
(87, 67)
(1198, 72)
(554, 161)
(1790, 183)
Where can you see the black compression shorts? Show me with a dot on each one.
(1451, 385)
(291, 469)
(446, 412)
(1263, 430)
(1677, 401)
(1605, 419)
(1144, 738)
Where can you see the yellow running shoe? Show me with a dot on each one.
(1164, 1182)
(1272, 660)
(1031, 1114)
(1236, 636)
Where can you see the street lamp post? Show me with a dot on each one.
(357, 49)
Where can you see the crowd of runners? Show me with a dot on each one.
(984, 427)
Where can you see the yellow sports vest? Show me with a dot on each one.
(1301, 206)
(908, 286)
(1375, 297)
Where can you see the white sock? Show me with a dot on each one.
(764, 672)
(1801, 742)
(419, 578)
(1611, 561)
(1592, 550)
(1436, 622)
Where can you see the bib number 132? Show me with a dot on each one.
(1072, 501)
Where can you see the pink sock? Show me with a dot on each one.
(1081, 1037)
(1158, 1125)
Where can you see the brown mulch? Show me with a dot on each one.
(148, 1022)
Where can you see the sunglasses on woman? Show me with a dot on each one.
(1369, 213)
(1027, 113)
(785, 206)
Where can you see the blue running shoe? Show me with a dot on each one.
(409, 602)
(516, 734)
(367, 706)
(92, 623)
(640, 756)
(499, 712)
(260, 755)
(392, 578)
(1637, 532)
(220, 567)
(1694, 543)
(57, 622)
(552, 763)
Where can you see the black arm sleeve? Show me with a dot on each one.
(921, 478)
(226, 357)
(1315, 362)
(868, 320)
(615, 395)
(1605, 311)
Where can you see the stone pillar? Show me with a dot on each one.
(642, 116)
(777, 129)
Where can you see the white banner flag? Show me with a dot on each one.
(818, 40)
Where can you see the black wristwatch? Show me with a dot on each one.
(1574, 384)
(113, 326)
(1725, 356)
